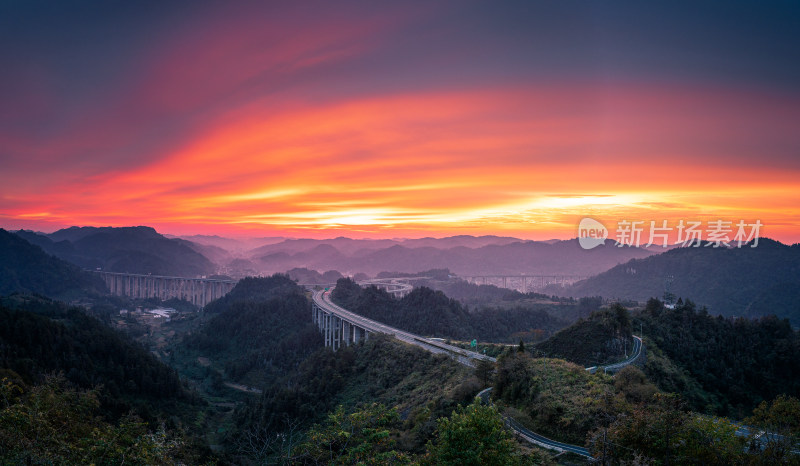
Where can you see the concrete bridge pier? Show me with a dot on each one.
(336, 331)
(198, 291)
(347, 332)
(328, 330)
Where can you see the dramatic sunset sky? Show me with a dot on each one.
(398, 119)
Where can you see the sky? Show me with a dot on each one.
(399, 119)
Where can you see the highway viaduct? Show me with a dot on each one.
(341, 327)
(201, 291)
(523, 283)
(198, 291)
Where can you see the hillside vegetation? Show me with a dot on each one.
(40, 337)
(421, 385)
(75, 391)
(738, 363)
(256, 332)
(721, 366)
(428, 312)
(602, 338)
(551, 396)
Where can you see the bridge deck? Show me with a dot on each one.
(323, 300)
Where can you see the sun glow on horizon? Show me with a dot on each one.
(351, 124)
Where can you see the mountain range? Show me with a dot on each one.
(485, 255)
(747, 281)
(128, 249)
(26, 268)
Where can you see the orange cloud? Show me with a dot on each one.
(524, 161)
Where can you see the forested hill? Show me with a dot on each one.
(722, 366)
(261, 329)
(600, 339)
(40, 337)
(422, 384)
(25, 268)
(744, 281)
(737, 363)
(428, 312)
(127, 250)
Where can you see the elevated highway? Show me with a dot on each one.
(342, 327)
(198, 291)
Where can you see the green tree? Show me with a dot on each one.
(711, 440)
(650, 431)
(631, 382)
(363, 437)
(483, 371)
(472, 435)
(52, 423)
(780, 421)
(662, 432)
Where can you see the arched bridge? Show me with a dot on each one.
(198, 291)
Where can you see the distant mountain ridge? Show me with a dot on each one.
(484, 256)
(26, 268)
(143, 250)
(746, 281)
(125, 249)
(350, 246)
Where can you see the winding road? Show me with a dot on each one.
(322, 299)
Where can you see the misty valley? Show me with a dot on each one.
(114, 349)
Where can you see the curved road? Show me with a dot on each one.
(323, 300)
(637, 351)
(533, 437)
(392, 285)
